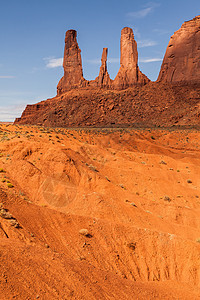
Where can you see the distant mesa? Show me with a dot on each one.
(182, 57)
(128, 75)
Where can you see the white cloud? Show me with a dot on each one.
(53, 62)
(146, 43)
(149, 60)
(7, 77)
(142, 13)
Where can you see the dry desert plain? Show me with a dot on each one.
(99, 213)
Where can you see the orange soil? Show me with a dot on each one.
(137, 192)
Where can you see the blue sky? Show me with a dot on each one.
(32, 41)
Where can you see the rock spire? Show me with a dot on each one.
(103, 80)
(72, 64)
(129, 73)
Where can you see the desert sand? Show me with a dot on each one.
(99, 213)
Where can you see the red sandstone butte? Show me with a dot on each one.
(129, 73)
(72, 64)
(182, 57)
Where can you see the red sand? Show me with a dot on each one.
(137, 192)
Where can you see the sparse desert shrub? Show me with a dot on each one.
(162, 162)
(10, 185)
(5, 214)
(198, 240)
(2, 170)
(93, 168)
(84, 232)
(189, 181)
(132, 246)
(14, 223)
(122, 186)
(166, 198)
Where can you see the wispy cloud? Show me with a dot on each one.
(161, 31)
(146, 43)
(9, 113)
(6, 77)
(52, 62)
(93, 61)
(111, 60)
(149, 60)
(136, 32)
(142, 13)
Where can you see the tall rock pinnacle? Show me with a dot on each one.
(72, 64)
(103, 80)
(182, 57)
(129, 73)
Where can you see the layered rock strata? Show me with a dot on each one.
(182, 57)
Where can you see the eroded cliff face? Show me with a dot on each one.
(129, 73)
(182, 58)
